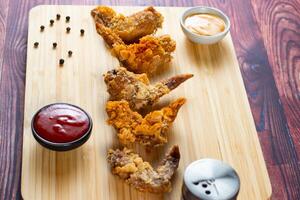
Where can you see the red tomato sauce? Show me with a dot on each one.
(61, 123)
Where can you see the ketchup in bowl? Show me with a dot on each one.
(61, 126)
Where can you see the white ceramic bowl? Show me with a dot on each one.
(202, 39)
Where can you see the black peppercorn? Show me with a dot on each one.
(61, 61)
(36, 44)
(114, 71)
(54, 45)
(68, 29)
(67, 18)
(42, 28)
(57, 16)
(51, 22)
(81, 32)
(70, 53)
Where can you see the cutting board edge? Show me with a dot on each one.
(46, 5)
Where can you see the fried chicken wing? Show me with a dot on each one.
(129, 28)
(136, 89)
(150, 130)
(140, 174)
(144, 57)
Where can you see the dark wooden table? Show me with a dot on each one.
(266, 36)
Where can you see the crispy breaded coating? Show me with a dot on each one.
(128, 28)
(150, 130)
(110, 37)
(146, 56)
(140, 174)
(136, 89)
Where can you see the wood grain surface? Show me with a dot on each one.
(216, 121)
(257, 30)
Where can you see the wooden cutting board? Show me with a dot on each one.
(216, 121)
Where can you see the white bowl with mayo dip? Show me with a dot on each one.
(204, 25)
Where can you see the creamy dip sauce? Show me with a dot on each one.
(205, 24)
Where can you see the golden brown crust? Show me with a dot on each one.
(140, 174)
(132, 127)
(135, 88)
(129, 28)
(146, 56)
(108, 35)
